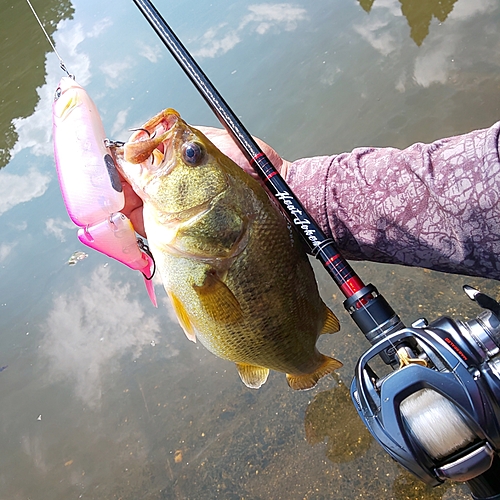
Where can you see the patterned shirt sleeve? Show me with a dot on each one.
(430, 205)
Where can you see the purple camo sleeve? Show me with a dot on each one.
(430, 205)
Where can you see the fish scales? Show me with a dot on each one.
(234, 269)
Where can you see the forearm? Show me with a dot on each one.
(430, 205)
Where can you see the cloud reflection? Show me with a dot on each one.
(58, 227)
(465, 10)
(87, 332)
(16, 189)
(70, 36)
(35, 131)
(214, 44)
(115, 71)
(5, 250)
(260, 19)
(119, 128)
(434, 65)
(269, 15)
(375, 33)
(151, 53)
(436, 62)
(33, 447)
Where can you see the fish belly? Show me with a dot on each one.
(264, 310)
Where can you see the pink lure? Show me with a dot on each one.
(90, 184)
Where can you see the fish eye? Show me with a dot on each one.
(193, 153)
(57, 93)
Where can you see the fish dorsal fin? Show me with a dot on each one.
(218, 300)
(183, 317)
(331, 324)
(251, 375)
(309, 380)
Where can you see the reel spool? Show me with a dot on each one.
(436, 423)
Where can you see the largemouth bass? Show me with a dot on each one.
(234, 269)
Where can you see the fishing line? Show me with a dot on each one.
(61, 62)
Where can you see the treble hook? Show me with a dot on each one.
(109, 143)
(144, 247)
(151, 136)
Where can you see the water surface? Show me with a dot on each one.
(101, 395)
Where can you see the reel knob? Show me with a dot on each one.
(483, 300)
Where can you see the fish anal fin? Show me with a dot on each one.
(183, 317)
(331, 324)
(252, 376)
(218, 300)
(309, 380)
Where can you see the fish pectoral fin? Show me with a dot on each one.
(183, 317)
(252, 376)
(309, 380)
(331, 324)
(218, 300)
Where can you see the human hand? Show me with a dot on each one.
(223, 141)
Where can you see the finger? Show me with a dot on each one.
(225, 143)
(136, 218)
(133, 208)
(132, 200)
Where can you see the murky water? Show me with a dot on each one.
(102, 396)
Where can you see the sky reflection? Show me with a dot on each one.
(59, 228)
(436, 62)
(88, 330)
(16, 189)
(309, 78)
(35, 131)
(260, 19)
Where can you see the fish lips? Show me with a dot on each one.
(152, 139)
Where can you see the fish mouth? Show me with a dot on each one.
(151, 140)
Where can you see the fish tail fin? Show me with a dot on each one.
(331, 324)
(251, 375)
(309, 380)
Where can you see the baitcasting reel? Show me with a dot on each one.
(438, 412)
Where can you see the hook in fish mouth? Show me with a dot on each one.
(140, 129)
(138, 149)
